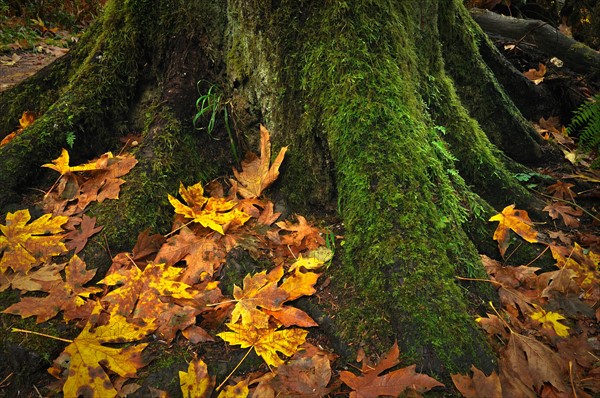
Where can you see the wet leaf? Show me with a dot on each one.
(196, 382)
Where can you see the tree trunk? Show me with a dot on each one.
(377, 101)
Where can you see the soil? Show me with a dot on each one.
(17, 67)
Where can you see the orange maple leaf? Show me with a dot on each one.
(26, 120)
(261, 298)
(536, 75)
(68, 296)
(371, 385)
(256, 175)
(515, 220)
(25, 246)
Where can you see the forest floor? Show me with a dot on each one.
(534, 308)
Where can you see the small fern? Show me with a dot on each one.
(587, 121)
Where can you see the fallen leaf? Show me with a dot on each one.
(256, 175)
(267, 342)
(562, 190)
(77, 239)
(533, 363)
(40, 279)
(515, 220)
(372, 385)
(550, 320)
(239, 390)
(479, 385)
(196, 382)
(567, 213)
(68, 296)
(86, 360)
(536, 75)
(213, 213)
(303, 236)
(27, 245)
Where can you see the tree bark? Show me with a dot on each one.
(548, 39)
(378, 101)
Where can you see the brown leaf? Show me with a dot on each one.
(303, 236)
(256, 175)
(372, 385)
(479, 385)
(77, 239)
(566, 212)
(534, 363)
(561, 190)
(536, 75)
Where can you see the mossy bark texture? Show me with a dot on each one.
(363, 92)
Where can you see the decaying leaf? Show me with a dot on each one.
(566, 212)
(213, 213)
(562, 190)
(371, 384)
(41, 279)
(68, 296)
(27, 245)
(479, 385)
(267, 342)
(515, 220)
(86, 360)
(77, 238)
(302, 236)
(196, 382)
(256, 175)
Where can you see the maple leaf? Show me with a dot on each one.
(86, 359)
(146, 294)
(202, 255)
(77, 239)
(265, 341)
(303, 236)
(211, 213)
(261, 297)
(479, 385)
(239, 390)
(25, 246)
(40, 279)
(515, 220)
(556, 209)
(550, 320)
(196, 382)
(68, 296)
(536, 75)
(371, 385)
(61, 164)
(256, 175)
(306, 374)
(533, 363)
(26, 120)
(561, 190)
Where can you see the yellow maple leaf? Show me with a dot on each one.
(211, 213)
(84, 360)
(266, 341)
(25, 246)
(515, 220)
(61, 164)
(196, 382)
(239, 390)
(306, 262)
(550, 320)
(256, 175)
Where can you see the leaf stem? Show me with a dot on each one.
(234, 369)
(41, 334)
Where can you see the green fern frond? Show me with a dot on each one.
(587, 122)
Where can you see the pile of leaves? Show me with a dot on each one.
(168, 286)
